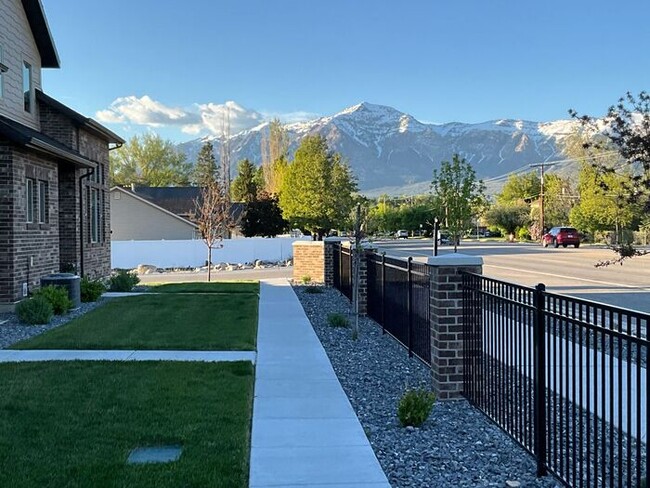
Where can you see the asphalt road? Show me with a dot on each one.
(568, 271)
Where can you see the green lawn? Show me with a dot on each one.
(166, 321)
(204, 287)
(73, 424)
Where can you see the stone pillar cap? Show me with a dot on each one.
(455, 259)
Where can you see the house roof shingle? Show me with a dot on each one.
(87, 123)
(41, 31)
(180, 199)
(26, 136)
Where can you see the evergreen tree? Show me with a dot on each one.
(245, 185)
(205, 170)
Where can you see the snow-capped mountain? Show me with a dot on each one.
(388, 148)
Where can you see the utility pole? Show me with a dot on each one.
(541, 166)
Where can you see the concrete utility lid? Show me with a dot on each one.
(157, 454)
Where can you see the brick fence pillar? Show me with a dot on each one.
(447, 321)
(329, 260)
(309, 261)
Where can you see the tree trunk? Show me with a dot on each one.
(209, 263)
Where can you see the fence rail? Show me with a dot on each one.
(398, 297)
(566, 378)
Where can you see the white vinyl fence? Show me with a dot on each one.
(193, 253)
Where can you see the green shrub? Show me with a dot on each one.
(306, 279)
(313, 289)
(34, 311)
(415, 406)
(523, 234)
(57, 296)
(123, 280)
(337, 320)
(91, 290)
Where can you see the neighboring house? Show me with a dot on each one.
(134, 218)
(153, 213)
(54, 207)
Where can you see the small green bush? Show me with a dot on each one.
(34, 311)
(91, 290)
(415, 407)
(57, 296)
(313, 289)
(123, 280)
(306, 279)
(337, 320)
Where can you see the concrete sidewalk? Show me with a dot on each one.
(305, 432)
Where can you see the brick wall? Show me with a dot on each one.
(33, 248)
(6, 222)
(447, 321)
(57, 126)
(309, 260)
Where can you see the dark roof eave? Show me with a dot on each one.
(41, 32)
(88, 123)
(46, 148)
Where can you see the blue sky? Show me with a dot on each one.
(139, 65)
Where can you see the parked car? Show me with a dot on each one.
(401, 234)
(561, 236)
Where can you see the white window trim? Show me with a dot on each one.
(29, 68)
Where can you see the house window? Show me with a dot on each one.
(30, 200)
(42, 202)
(27, 85)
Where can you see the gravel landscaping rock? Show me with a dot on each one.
(457, 446)
(13, 331)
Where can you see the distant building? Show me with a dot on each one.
(147, 213)
(54, 205)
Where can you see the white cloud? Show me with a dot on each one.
(211, 118)
(146, 111)
(216, 117)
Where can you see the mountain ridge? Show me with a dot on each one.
(387, 148)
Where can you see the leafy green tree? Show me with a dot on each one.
(559, 199)
(245, 185)
(520, 187)
(149, 160)
(263, 217)
(318, 188)
(456, 190)
(509, 217)
(205, 170)
(603, 203)
(628, 132)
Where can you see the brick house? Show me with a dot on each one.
(54, 204)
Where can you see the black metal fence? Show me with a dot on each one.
(342, 264)
(565, 377)
(398, 297)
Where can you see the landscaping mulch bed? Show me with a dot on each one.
(457, 446)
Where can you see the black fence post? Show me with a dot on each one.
(383, 292)
(341, 287)
(408, 305)
(539, 344)
(436, 230)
